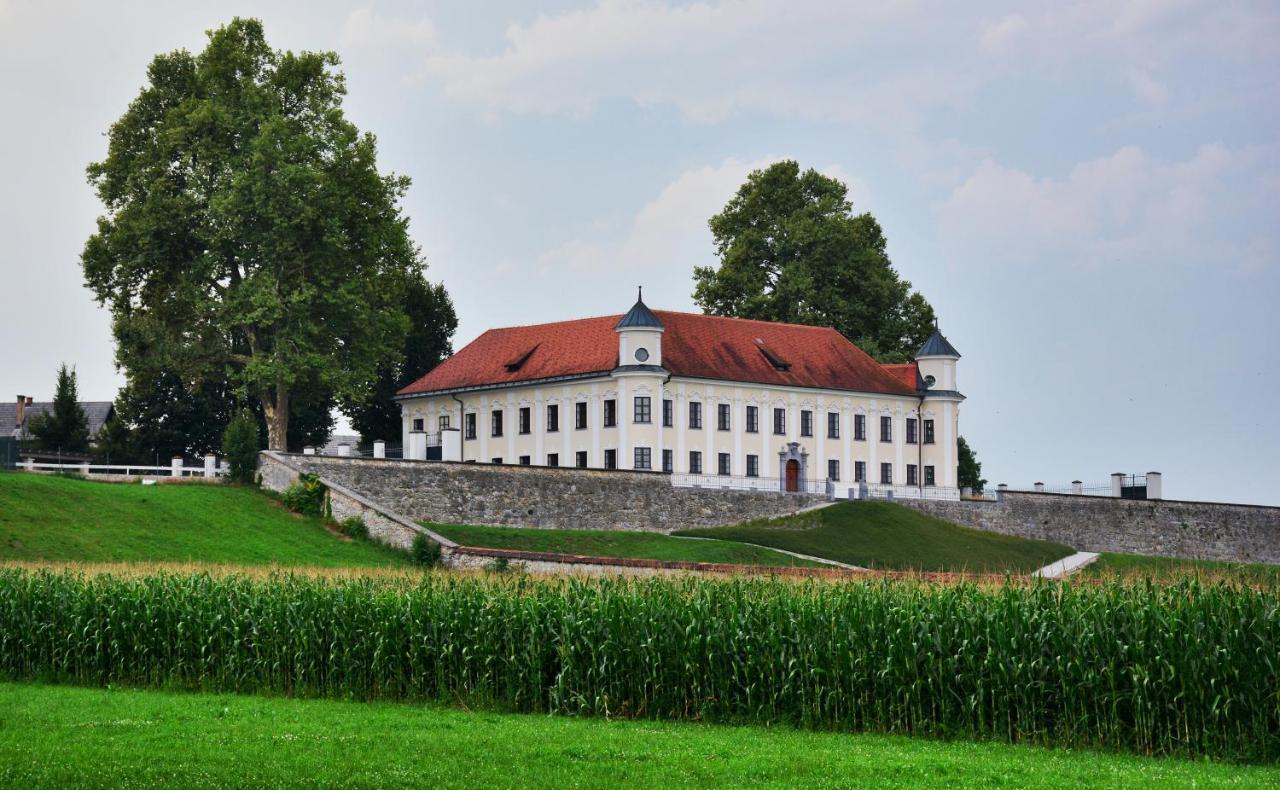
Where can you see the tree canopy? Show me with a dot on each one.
(65, 428)
(432, 322)
(969, 469)
(248, 235)
(791, 249)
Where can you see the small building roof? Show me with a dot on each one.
(96, 411)
(639, 316)
(937, 346)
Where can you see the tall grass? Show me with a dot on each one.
(1183, 669)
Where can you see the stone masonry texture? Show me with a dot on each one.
(1163, 528)
(550, 498)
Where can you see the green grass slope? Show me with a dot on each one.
(887, 536)
(63, 519)
(54, 736)
(1170, 568)
(614, 543)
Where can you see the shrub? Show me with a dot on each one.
(240, 446)
(499, 565)
(305, 496)
(354, 527)
(424, 551)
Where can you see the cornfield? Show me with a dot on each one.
(1185, 669)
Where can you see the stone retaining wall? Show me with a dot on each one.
(523, 496)
(1164, 528)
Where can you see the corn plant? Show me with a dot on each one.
(1186, 669)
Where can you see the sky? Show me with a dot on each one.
(1088, 193)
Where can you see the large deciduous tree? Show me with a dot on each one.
(432, 322)
(791, 249)
(248, 234)
(969, 468)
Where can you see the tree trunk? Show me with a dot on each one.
(276, 410)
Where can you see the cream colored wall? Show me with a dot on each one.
(711, 441)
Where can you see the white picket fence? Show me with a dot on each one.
(177, 468)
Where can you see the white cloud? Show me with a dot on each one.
(1148, 88)
(365, 28)
(997, 35)
(1121, 208)
(882, 64)
(669, 234)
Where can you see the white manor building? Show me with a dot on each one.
(713, 401)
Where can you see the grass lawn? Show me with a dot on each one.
(45, 517)
(61, 736)
(887, 536)
(611, 543)
(1138, 566)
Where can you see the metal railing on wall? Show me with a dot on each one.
(745, 483)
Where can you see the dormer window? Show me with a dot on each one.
(518, 362)
(774, 359)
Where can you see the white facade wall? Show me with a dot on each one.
(539, 444)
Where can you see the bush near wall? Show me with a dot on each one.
(1184, 669)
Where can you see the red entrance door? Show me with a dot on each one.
(793, 475)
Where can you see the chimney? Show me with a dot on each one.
(21, 412)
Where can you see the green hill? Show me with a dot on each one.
(615, 543)
(888, 536)
(64, 519)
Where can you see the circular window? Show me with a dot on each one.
(642, 354)
(929, 381)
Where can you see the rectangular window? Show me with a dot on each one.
(833, 470)
(911, 430)
(859, 471)
(928, 431)
(525, 460)
(553, 417)
(495, 460)
(580, 459)
(610, 459)
(886, 429)
(644, 458)
(753, 466)
(642, 409)
(668, 413)
(668, 461)
(912, 475)
(418, 424)
(580, 415)
(469, 423)
(444, 422)
(610, 413)
(722, 416)
(860, 427)
(553, 459)
(695, 462)
(886, 474)
(723, 464)
(929, 478)
(526, 420)
(806, 422)
(780, 422)
(753, 419)
(695, 414)
(833, 425)
(495, 423)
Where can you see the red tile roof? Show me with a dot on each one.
(907, 372)
(696, 346)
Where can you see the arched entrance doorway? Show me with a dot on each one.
(793, 467)
(793, 475)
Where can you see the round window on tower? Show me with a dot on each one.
(642, 354)
(929, 381)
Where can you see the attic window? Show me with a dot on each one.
(778, 362)
(518, 362)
